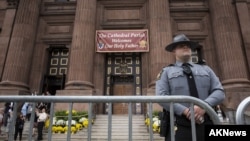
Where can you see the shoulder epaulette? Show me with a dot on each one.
(170, 65)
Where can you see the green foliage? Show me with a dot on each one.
(83, 114)
(61, 115)
(75, 115)
(155, 113)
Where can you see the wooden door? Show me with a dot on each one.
(123, 78)
(122, 90)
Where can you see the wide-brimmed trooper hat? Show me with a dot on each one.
(181, 39)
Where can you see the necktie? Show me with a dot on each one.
(190, 78)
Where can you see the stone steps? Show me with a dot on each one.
(120, 130)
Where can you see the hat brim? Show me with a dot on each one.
(171, 47)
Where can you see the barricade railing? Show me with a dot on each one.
(150, 100)
(240, 111)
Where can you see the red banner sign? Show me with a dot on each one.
(122, 41)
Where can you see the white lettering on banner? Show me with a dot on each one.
(121, 46)
(102, 35)
(108, 46)
(122, 41)
(110, 35)
(137, 35)
(131, 46)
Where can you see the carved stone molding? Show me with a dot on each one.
(128, 14)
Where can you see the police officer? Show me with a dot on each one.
(172, 80)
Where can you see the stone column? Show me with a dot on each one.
(244, 21)
(228, 44)
(231, 58)
(83, 47)
(19, 56)
(160, 35)
(5, 35)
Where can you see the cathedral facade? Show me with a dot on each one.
(55, 45)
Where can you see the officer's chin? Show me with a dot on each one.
(186, 57)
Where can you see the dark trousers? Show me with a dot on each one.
(5, 119)
(184, 131)
(18, 132)
(40, 126)
(28, 116)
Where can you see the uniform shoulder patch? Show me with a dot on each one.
(159, 75)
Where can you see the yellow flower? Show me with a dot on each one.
(46, 124)
(156, 125)
(73, 112)
(73, 129)
(60, 129)
(54, 129)
(78, 126)
(85, 123)
(147, 121)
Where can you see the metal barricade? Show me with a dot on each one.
(150, 100)
(239, 117)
